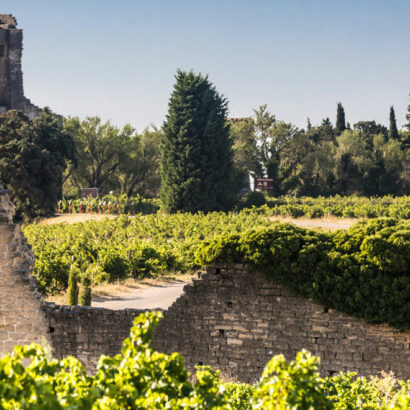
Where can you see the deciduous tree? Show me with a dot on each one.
(33, 157)
(100, 149)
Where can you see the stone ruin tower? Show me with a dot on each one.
(11, 76)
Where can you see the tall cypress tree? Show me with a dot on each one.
(393, 133)
(196, 148)
(340, 118)
(73, 286)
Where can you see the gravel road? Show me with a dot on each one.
(160, 296)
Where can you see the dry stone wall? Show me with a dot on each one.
(235, 320)
(87, 333)
(21, 318)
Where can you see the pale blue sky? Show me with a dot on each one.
(117, 59)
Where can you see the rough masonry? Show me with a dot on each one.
(11, 75)
(86, 332)
(232, 319)
(235, 320)
(21, 318)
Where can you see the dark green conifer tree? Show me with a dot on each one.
(393, 133)
(85, 294)
(73, 286)
(340, 118)
(196, 148)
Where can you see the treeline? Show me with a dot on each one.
(199, 160)
(365, 158)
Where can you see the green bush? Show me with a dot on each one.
(73, 286)
(252, 198)
(85, 292)
(363, 271)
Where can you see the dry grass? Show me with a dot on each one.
(74, 218)
(330, 223)
(124, 287)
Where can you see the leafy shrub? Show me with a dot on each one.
(85, 293)
(253, 198)
(294, 385)
(240, 395)
(363, 272)
(73, 286)
(347, 391)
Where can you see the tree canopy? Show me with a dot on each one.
(113, 159)
(33, 157)
(196, 148)
(366, 160)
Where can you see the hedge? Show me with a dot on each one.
(363, 272)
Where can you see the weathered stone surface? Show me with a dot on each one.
(11, 76)
(21, 318)
(87, 333)
(237, 320)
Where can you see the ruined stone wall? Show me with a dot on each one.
(11, 75)
(87, 333)
(21, 318)
(235, 320)
(5, 97)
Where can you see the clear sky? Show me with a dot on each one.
(117, 59)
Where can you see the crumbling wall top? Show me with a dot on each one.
(7, 209)
(7, 21)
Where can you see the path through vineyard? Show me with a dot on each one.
(157, 296)
(330, 223)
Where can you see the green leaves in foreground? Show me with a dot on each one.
(141, 378)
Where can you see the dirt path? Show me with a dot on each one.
(157, 296)
(329, 224)
(74, 218)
